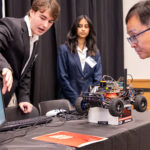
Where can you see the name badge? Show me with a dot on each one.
(90, 61)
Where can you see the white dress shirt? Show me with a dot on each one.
(82, 55)
(33, 38)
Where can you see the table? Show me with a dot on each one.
(134, 135)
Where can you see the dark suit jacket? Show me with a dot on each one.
(71, 78)
(14, 52)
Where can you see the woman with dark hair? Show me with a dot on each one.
(79, 61)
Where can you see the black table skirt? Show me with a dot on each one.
(134, 135)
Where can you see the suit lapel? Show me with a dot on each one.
(78, 63)
(86, 67)
(26, 41)
(32, 59)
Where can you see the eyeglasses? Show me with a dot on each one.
(133, 39)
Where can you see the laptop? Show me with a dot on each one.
(17, 124)
(2, 111)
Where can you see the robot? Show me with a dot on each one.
(112, 95)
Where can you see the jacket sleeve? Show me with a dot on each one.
(23, 89)
(4, 63)
(98, 70)
(5, 37)
(63, 75)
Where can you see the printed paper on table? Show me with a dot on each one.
(70, 138)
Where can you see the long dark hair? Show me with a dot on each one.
(72, 37)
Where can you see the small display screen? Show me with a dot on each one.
(2, 111)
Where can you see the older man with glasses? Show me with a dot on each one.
(138, 28)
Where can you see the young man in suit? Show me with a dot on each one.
(18, 49)
(138, 28)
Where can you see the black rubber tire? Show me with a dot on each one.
(116, 107)
(140, 103)
(79, 105)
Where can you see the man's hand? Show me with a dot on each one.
(7, 80)
(26, 107)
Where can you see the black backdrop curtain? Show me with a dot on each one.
(0, 8)
(107, 17)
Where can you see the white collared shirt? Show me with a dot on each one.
(82, 55)
(33, 38)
